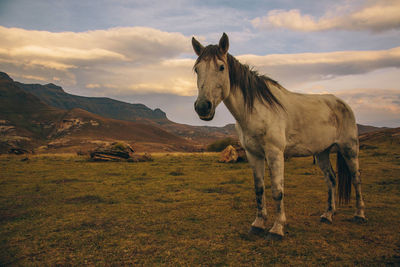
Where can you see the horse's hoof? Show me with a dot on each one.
(256, 231)
(326, 220)
(359, 219)
(274, 236)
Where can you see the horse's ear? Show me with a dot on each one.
(224, 44)
(197, 46)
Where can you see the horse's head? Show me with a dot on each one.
(212, 76)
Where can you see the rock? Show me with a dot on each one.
(229, 155)
(232, 154)
(114, 152)
(118, 152)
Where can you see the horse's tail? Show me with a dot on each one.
(344, 177)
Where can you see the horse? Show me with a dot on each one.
(273, 123)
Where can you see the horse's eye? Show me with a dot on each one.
(195, 70)
(221, 68)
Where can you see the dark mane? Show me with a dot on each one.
(250, 83)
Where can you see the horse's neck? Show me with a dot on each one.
(237, 106)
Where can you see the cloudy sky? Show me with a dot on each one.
(140, 51)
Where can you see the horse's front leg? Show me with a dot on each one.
(275, 161)
(258, 166)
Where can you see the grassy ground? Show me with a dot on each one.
(187, 210)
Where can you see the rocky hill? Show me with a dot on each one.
(26, 122)
(55, 96)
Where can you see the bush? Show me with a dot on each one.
(220, 145)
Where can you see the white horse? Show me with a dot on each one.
(274, 123)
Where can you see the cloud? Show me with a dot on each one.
(374, 106)
(380, 16)
(127, 62)
(124, 56)
(305, 67)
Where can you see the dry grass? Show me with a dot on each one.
(65, 210)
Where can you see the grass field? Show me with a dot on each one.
(187, 209)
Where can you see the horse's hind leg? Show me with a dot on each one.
(258, 166)
(350, 155)
(330, 179)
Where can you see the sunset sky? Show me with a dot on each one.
(140, 51)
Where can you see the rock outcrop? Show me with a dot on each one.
(118, 151)
(114, 152)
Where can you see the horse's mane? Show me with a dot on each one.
(241, 76)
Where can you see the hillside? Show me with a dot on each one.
(387, 136)
(362, 129)
(81, 130)
(26, 122)
(55, 96)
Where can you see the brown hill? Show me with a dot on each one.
(80, 129)
(362, 129)
(27, 122)
(387, 136)
(55, 96)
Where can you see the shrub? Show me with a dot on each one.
(220, 145)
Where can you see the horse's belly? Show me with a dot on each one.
(298, 151)
(311, 146)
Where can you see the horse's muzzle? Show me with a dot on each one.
(204, 109)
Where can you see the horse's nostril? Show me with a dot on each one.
(208, 105)
(203, 108)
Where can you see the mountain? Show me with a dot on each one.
(27, 122)
(55, 96)
(24, 119)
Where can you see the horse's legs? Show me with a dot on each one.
(330, 179)
(275, 161)
(258, 166)
(350, 155)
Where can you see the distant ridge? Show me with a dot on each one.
(55, 96)
(362, 129)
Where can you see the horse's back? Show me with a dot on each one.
(318, 121)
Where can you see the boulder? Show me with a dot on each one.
(118, 151)
(114, 152)
(232, 154)
(229, 155)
